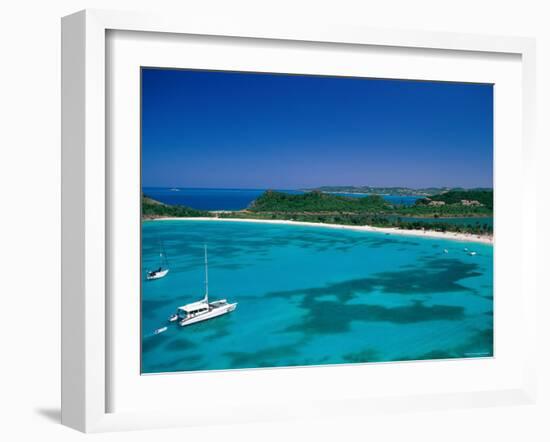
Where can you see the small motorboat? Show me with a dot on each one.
(472, 253)
(445, 251)
(158, 331)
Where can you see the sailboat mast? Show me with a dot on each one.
(206, 272)
(164, 257)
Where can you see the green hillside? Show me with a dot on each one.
(151, 208)
(315, 201)
(456, 203)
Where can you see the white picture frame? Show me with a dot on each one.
(85, 211)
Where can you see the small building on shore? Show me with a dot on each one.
(470, 203)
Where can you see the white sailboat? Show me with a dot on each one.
(163, 269)
(204, 309)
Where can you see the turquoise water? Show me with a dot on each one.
(313, 295)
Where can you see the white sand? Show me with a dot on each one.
(469, 237)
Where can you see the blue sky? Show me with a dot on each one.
(254, 130)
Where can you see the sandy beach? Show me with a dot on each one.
(456, 236)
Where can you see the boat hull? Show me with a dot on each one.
(214, 313)
(158, 275)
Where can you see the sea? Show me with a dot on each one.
(235, 199)
(313, 295)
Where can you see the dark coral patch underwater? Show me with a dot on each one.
(436, 276)
(335, 317)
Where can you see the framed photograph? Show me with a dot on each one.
(262, 222)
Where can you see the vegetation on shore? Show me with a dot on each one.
(151, 209)
(362, 219)
(371, 210)
(456, 197)
(272, 201)
(375, 211)
(320, 202)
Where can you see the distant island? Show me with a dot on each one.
(395, 191)
(434, 212)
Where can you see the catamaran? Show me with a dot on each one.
(163, 269)
(204, 309)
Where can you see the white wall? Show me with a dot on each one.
(30, 181)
